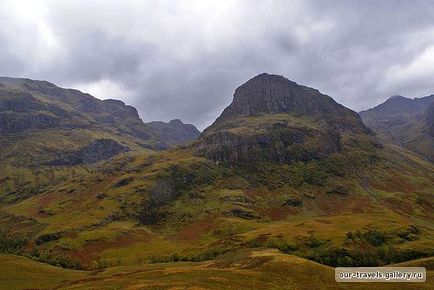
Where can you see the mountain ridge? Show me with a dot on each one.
(49, 106)
(405, 121)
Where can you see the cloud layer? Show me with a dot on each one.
(184, 59)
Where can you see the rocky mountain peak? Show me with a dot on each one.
(274, 119)
(267, 93)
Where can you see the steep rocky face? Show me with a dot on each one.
(273, 94)
(20, 111)
(96, 151)
(272, 119)
(405, 121)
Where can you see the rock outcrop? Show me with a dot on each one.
(96, 151)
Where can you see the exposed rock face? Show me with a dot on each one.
(273, 94)
(11, 122)
(20, 111)
(96, 151)
(277, 143)
(272, 119)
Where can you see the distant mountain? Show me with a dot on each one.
(274, 119)
(29, 106)
(174, 132)
(405, 121)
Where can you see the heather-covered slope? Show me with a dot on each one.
(405, 121)
(334, 193)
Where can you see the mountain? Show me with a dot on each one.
(274, 119)
(285, 171)
(44, 127)
(27, 105)
(405, 121)
(174, 132)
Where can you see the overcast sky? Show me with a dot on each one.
(184, 59)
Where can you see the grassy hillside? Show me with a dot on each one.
(253, 269)
(177, 206)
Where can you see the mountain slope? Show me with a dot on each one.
(45, 131)
(27, 104)
(405, 121)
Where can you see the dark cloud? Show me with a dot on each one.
(184, 59)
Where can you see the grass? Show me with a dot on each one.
(23, 273)
(247, 269)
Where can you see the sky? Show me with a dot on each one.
(184, 59)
